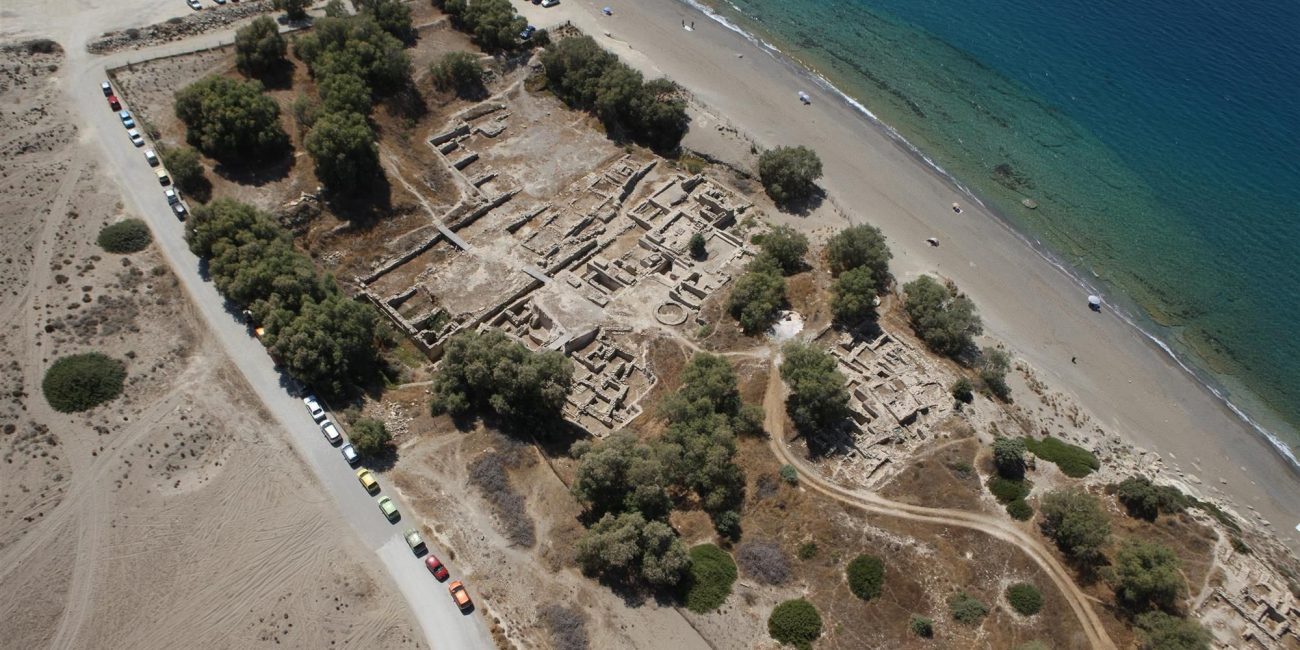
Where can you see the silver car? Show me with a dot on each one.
(314, 407)
(331, 432)
(349, 453)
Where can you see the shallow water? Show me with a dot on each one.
(1161, 143)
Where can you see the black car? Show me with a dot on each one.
(527, 33)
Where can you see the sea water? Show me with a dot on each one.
(1159, 140)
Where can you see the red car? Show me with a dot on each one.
(435, 567)
(112, 101)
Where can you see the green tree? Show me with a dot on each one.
(394, 16)
(1145, 500)
(1077, 523)
(336, 9)
(818, 398)
(963, 391)
(853, 296)
(628, 547)
(994, 364)
(866, 574)
(1025, 598)
(355, 45)
(344, 150)
(785, 246)
(460, 72)
(758, 295)
(620, 474)
(947, 323)
(329, 345)
(187, 171)
(369, 436)
(696, 246)
(225, 220)
(293, 9)
(344, 93)
(1148, 575)
(712, 573)
(264, 275)
(231, 120)
(1009, 457)
(789, 174)
(259, 47)
(488, 370)
(82, 381)
(659, 115)
(493, 24)
(857, 247)
(1160, 631)
(795, 622)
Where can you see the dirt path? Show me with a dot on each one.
(774, 411)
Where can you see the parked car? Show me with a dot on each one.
(127, 120)
(113, 103)
(527, 33)
(331, 432)
(107, 88)
(414, 541)
(180, 210)
(136, 138)
(314, 407)
(163, 178)
(550, 3)
(220, 2)
(172, 197)
(194, 4)
(152, 158)
(460, 595)
(368, 481)
(389, 509)
(435, 567)
(349, 453)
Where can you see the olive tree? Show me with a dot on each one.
(789, 174)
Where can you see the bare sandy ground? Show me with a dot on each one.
(174, 516)
(1127, 385)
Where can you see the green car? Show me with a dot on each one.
(414, 541)
(389, 508)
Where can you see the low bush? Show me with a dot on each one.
(127, 236)
(764, 561)
(370, 436)
(1025, 598)
(789, 474)
(808, 550)
(82, 381)
(967, 609)
(1020, 510)
(866, 574)
(488, 474)
(711, 575)
(1074, 461)
(963, 391)
(922, 626)
(460, 72)
(1146, 500)
(566, 625)
(795, 622)
(1160, 631)
(1008, 490)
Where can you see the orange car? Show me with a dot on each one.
(459, 595)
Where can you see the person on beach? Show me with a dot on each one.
(1074, 360)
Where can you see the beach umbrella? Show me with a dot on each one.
(607, 11)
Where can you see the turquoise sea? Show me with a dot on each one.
(1160, 141)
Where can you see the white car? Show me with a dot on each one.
(194, 4)
(331, 432)
(172, 197)
(136, 138)
(152, 157)
(107, 88)
(180, 210)
(314, 407)
(550, 3)
(349, 453)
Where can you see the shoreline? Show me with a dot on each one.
(1124, 306)
(1128, 384)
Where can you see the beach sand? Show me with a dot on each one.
(1124, 381)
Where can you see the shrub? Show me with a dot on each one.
(259, 47)
(1148, 575)
(993, 367)
(795, 622)
(807, 551)
(711, 576)
(789, 174)
(1074, 461)
(818, 398)
(1024, 598)
(963, 391)
(785, 246)
(490, 371)
(946, 322)
(1075, 520)
(1009, 457)
(344, 150)
(1160, 631)
(126, 236)
(488, 474)
(1145, 500)
(696, 246)
(1020, 510)
(370, 436)
(231, 120)
(566, 625)
(460, 72)
(1007, 490)
(922, 626)
(866, 574)
(187, 172)
(293, 9)
(727, 523)
(860, 246)
(764, 561)
(758, 296)
(82, 381)
(789, 474)
(853, 296)
(967, 609)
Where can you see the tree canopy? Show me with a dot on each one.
(327, 344)
(789, 174)
(490, 371)
(344, 150)
(344, 93)
(1160, 631)
(853, 296)
(818, 398)
(993, 365)
(1009, 457)
(621, 474)
(370, 436)
(1148, 575)
(795, 622)
(628, 547)
(231, 120)
(259, 47)
(946, 322)
(785, 246)
(355, 45)
(294, 9)
(186, 171)
(1077, 523)
(758, 296)
(459, 72)
(493, 24)
(1146, 500)
(393, 16)
(860, 246)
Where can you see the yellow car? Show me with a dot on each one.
(368, 481)
(163, 178)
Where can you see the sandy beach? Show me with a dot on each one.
(1126, 383)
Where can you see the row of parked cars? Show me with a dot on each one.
(196, 5)
(133, 132)
(386, 505)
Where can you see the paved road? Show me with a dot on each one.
(444, 626)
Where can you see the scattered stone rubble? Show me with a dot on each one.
(175, 29)
(1252, 608)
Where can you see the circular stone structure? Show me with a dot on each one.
(670, 313)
